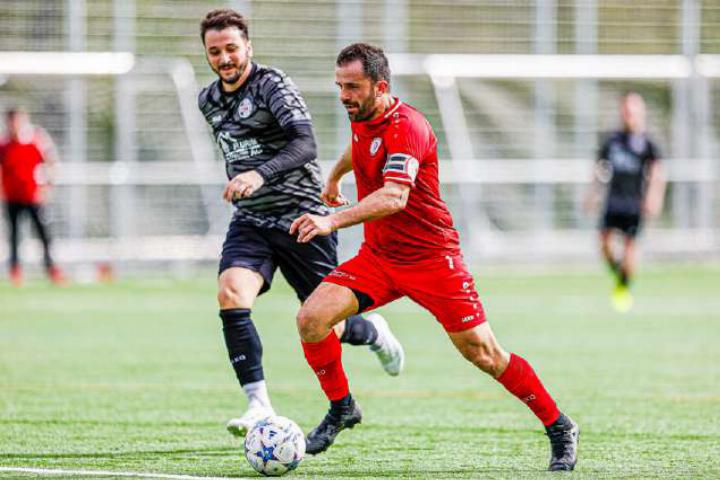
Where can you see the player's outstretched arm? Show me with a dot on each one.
(50, 161)
(389, 199)
(331, 193)
(594, 192)
(655, 196)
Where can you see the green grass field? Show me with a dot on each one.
(133, 377)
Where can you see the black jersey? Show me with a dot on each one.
(250, 127)
(627, 157)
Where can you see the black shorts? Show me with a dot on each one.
(263, 250)
(628, 223)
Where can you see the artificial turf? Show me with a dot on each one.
(133, 377)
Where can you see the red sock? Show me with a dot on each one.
(325, 358)
(520, 379)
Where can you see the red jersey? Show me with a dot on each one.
(400, 146)
(19, 160)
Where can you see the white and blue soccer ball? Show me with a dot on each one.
(274, 446)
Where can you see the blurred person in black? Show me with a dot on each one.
(628, 166)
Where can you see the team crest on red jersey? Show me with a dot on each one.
(375, 145)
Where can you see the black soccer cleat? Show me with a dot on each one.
(322, 436)
(564, 436)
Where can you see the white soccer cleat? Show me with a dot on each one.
(387, 347)
(241, 426)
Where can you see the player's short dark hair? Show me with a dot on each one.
(222, 18)
(631, 93)
(12, 111)
(375, 63)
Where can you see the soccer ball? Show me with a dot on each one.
(274, 446)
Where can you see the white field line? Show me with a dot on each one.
(108, 473)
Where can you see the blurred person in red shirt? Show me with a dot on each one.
(25, 187)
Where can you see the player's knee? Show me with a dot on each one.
(487, 357)
(310, 324)
(230, 295)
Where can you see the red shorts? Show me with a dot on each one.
(441, 285)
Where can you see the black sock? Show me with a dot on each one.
(243, 345)
(624, 278)
(614, 267)
(359, 331)
(339, 407)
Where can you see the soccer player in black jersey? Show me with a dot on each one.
(263, 129)
(628, 163)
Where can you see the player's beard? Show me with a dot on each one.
(365, 110)
(239, 70)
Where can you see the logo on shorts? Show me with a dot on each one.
(467, 318)
(245, 108)
(336, 273)
(375, 145)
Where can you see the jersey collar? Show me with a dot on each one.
(253, 68)
(382, 118)
(371, 124)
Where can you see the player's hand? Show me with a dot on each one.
(651, 207)
(43, 193)
(243, 185)
(590, 203)
(331, 195)
(309, 226)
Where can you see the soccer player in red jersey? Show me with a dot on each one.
(411, 249)
(24, 149)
